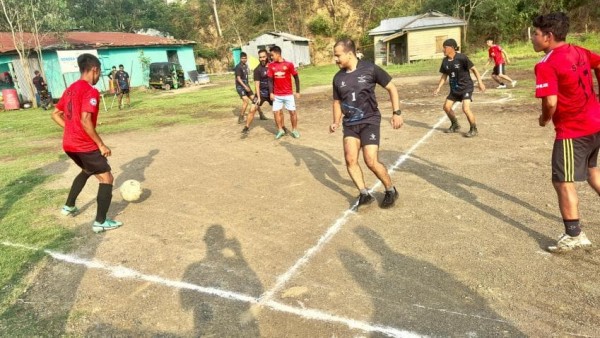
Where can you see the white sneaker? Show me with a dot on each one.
(514, 83)
(501, 87)
(567, 243)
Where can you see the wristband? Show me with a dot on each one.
(397, 112)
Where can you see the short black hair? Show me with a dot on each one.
(36, 72)
(348, 45)
(86, 62)
(114, 67)
(121, 66)
(489, 38)
(263, 51)
(243, 55)
(275, 49)
(556, 23)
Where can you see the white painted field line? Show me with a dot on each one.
(337, 225)
(311, 314)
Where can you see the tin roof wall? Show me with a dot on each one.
(415, 22)
(290, 37)
(89, 40)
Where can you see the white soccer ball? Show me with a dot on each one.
(131, 190)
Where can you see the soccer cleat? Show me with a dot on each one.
(472, 133)
(567, 243)
(245, 130)
(279, 134)
(295, 134)
(69, 211)
(262, 116)
(514, 83)
(240, 119)
(454, 127)
(389, 199)
(108, 224)
(501, 87)
(364, 199)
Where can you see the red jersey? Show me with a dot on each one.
(79, 97)
(565, 72)
(281, 73)
(495, 52)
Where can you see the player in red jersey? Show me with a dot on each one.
(77, 113)
(564, 83)
(498, 56)
(280, 88)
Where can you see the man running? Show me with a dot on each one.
(354, 97)
(261, 86)
(498, 56)
(77, 113)
(280, 88)
(122, 78)
(457, 66)
(242, 85)
(564, 83)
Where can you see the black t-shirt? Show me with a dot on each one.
(356, 91)
(38, 82)
(260, 74)
(122, 79)
(458, 71)
(242, 71)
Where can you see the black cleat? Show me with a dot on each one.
(389, 199)
(472, 133)
(453, 128)
(364, 199)
(245, 130)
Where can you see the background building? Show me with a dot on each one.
(294, 48)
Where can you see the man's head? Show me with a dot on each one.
(89, 66)
(121, 67)
(275, 53)
(549, 29)
(114, 67)
(489, 41)
(344, 52)
(244, 57)
(263, 56)
(37, 72)
(450, 47)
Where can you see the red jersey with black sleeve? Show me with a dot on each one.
(566, 72)
(495, 52)
(78, 98)
(281, 73)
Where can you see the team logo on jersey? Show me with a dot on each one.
(343, 84)
(456, 66)
(279, 74)
(93, 102)
(467, 95)
(362, 79)
(373, 137)
(284, 67)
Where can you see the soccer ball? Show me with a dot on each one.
(131, 190)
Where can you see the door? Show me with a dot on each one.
(172, 56)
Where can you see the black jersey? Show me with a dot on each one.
(260, 74)
(242, 71)
(458, 71)
(356, 91)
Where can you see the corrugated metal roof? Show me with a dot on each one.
(94, 40)
(289, 36)
(415, 22)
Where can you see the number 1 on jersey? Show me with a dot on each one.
(353, 96)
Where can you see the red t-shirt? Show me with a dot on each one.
(495, 52)
(79, 97)
(565, 72)
(281, 73)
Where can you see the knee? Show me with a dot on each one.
(351, 161)
(371, 162)
(106, 178)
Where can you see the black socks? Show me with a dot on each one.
(572, 227)
(103, 199)
(76, 187)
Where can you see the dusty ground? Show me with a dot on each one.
(225, 220)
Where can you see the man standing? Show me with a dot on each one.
(500, 59)
(241, 84)
(77, 113)
(112, 78)
(457, 66)
(354, 97)
(564, 83)
(261, 86)
(122, 85)
(41, 87)
(280, 74)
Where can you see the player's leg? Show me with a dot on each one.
(120, 99)
(370, 136)
(505, 77)
(351, 153)
(466, 106)
(128, 99)
(454, 126)
(278, 116)
(250, 117)
(497, 75)
(290, 106)
(69, 209)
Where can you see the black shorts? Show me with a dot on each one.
(571, 158)
(242, 91)
(456, 97)
(91, 162)
(499, 70)
(367, 133)
(124, 91)
(263, 99)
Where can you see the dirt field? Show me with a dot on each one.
(249, 237)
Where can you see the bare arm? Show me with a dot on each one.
(505, 57)
(297, 82)
(548, 109)
(88, 126)
(241, 82)
(337, 116)
(597, 73)
(440, 84)
(58, 117)
(478, 77)
(397, 121)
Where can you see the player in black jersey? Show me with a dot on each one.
(457, 66)
(242, 86)
(354, 98)
(261, 85)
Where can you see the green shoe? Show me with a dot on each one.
(279, 134)
(69, 211)
(295, 134)
(108, 224)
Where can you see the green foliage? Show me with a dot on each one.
(207, 53)
(320, 25)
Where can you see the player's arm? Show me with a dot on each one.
(297, 83)
(548, 109)
(597, 73)
(88, 126)
(478, 77)
(59, 117)
(337, 116)
(397, 121)
(505, 57)
(440, 84)
(271, 95)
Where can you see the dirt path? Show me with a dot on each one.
(226, 220)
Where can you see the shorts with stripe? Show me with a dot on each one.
(499, 69)
(571, 158)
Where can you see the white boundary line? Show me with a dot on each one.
(337, 225)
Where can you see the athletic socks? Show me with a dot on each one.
(364, 191)
(76, 187)
(453, 119)
(572, 227)
(103, 200)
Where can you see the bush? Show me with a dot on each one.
(320, 26)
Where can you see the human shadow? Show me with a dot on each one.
(223, 267)
(459, 186)
(414, 295)
(319, 163)
(419, 124)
